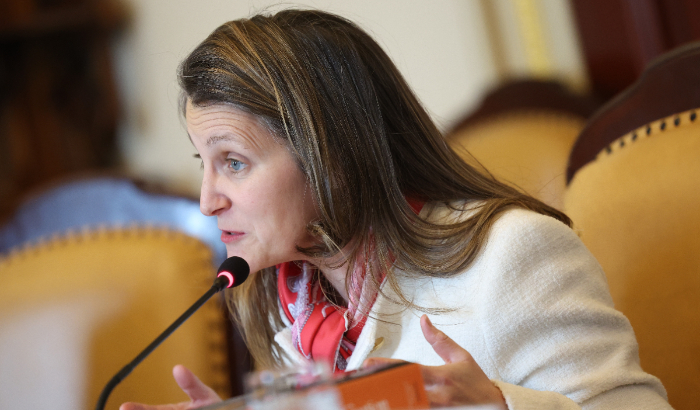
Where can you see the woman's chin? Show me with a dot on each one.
(253, 263)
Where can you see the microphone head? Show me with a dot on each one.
(235, 269)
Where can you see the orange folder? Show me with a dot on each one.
(398, 386)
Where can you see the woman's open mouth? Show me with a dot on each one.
(230, 236)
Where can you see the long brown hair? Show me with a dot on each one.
(363, 141)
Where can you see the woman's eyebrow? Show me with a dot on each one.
(216, 138)
(245, 140)
(213, 140)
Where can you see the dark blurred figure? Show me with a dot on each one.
(58, 102)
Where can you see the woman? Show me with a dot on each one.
(329, 178)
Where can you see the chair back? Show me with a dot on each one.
(105, 202)
(91, 273)
(635, 206)
(670, 84)
(522, 135)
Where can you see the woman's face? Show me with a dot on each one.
(252, 185)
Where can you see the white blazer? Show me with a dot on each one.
(533, 310)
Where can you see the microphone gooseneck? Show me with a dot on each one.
(232, 272)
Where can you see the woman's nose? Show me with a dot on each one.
(212, 200)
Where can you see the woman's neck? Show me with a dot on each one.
(336, 277)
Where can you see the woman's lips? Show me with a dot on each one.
(230, 236)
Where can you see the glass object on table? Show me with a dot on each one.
(308, 387)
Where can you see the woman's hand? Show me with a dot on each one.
(460, 381)
(199, 393)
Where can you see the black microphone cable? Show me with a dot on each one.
(232, 272)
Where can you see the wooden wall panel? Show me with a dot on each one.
(620, 37)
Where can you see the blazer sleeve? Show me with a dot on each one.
(550, 326)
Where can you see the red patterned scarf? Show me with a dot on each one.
(322, 331)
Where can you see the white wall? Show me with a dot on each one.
(538, 38)
(440, 46)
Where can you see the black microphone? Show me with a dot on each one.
(232, 272)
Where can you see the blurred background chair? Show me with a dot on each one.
(92, 271)
(633, 196)
(105, 201)
(522, 134)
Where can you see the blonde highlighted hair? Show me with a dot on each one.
(364, 143)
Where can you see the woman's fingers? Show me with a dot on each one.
(445, 347)
(198, 392)
(139, 406)
(460, 380)
(379, 362)
(440, 396)
(444, 385)
(434, 375)
(458, 384)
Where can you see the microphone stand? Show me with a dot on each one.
(220, 283)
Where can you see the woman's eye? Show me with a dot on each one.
(235, 164)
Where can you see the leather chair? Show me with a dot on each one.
(522, 134)
(91, 272)
(633, 198)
